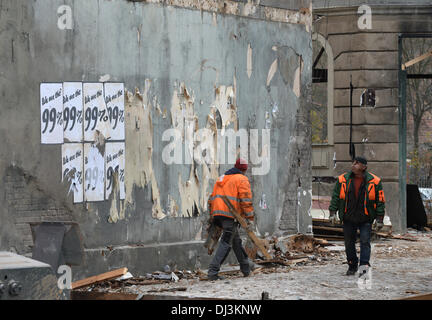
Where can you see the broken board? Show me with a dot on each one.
(98, 278)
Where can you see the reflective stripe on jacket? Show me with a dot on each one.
(236, 188)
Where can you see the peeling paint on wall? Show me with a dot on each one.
(251, 8)
(214, 19)
(249, 61)
(297, 78)
(193, 193)
(231, 7)
(173, 208)
(225, 104)
(271, 72)
(185, 121)
(117, 208)
(189, 194)
(182, 112)
(303, 16)
(201, 143)
(139, 149)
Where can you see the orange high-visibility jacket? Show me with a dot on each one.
(374, 200)
(236, 188)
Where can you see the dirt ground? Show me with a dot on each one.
(400, 269)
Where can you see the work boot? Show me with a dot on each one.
(246, 274)
(352, 269)
(215, 277)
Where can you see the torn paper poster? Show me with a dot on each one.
(72, 169)
(94, 173)
(51, 104)
(114, 100)
(72, 112)
(115, 169)
(95, 114)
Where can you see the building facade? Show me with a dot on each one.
(188, 70)
(363, 43)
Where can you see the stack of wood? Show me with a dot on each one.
(324, 229)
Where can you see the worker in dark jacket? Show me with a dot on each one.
(359, 197)
(235, 185)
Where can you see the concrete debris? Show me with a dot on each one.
(281, 247)
(171, 276)
(315, 274)
(127, 275)
(174, 277)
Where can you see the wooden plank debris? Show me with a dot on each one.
(272, 261)
(324, 229)
(98, 278)
(299, 256)
(169, 289)
(400, 237)
(328, 228)
(303, 243)
(258, 242)
(323, 242)
(426, 296)
(143, 282)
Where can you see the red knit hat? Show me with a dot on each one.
(241, 164)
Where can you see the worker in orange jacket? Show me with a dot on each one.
(236, 187)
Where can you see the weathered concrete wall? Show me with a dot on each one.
(173, 60)
(370, 56)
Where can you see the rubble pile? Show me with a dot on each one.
(415, 244)
(288, 254)
(157, 277)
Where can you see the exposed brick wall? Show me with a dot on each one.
(28, 204)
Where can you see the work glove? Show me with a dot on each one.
(379, 224)
(333, 217)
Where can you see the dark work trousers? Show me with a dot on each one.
(230, 238)
(350, 236)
